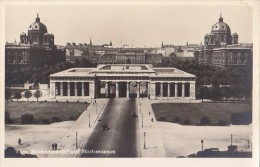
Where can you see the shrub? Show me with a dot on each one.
(77, 101)
(161, 118)
(57, 101)
(56, 119)
(204, 121)
(186, 122)
(222, 123)
(176, 119)
(43, 121)
(71, 118)
(243, 118)
(45, 101)
(67, 101)
(27, 119)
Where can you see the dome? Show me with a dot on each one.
(235, 34)
(221, 27)
(38, 26)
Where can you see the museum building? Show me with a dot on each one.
(36, 48)
(123, 80)
(223, 49)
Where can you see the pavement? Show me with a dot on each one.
(82, 128)
(122, 138)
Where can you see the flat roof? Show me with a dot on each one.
(123, 70)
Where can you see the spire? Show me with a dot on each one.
(90, 42)
(37, 18)
(162, 44)
(220, 18)
(110, 43)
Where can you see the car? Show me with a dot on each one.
(105, 127)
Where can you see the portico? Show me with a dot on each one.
(123, 81)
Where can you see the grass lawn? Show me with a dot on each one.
(43, 112)
(193, 112)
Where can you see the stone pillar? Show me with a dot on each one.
(152, 90)
(176, 89)
(117, 89)
(106, 89)
(83, 90)
(127, 89)
(183, 91)
(68, 90)
(169, 91)
(92, 89)
(52, 89)
(138, 89)
(192, 90)
(161, 90)
(61, 88)
(75, 89)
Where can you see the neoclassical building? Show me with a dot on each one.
(221, 48)
(35, 48)
(123, 80)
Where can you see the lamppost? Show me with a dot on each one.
(89, 120)
(76, 139)
(231, 139)
(202, 145)
(96, 107)
(144, 140)
(142, 120)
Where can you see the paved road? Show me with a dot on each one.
(122, 137)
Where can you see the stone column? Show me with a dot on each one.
(92, 89)
(68, 90)
(61, 88)
(152, 90)
(192, 89)
(52, 89)
(106, 89)
(161, 90)
(176, 89)
(138, 89)
(169, 91)
(117, 89)
(183, 87)
(127, 89)
(75, 89)
(82, 89)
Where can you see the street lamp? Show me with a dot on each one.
(202, 145)
(142, 120)
(89, 120)
(231, 139)
(76, 139)
(144, 140)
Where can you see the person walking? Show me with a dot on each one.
(52, 146)
(55, 146)
(19, 141)
(152, 119)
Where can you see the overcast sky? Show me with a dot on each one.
(132, 25)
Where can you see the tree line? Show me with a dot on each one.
(17, 95)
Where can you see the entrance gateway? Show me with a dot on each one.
(123, 81)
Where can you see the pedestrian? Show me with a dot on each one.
(52, 146)
(149, 112)
(55, 146)
(95, 101)
(19, 141)
(152, 119)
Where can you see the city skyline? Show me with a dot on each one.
(127, 24)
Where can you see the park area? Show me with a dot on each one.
(214, 114)
(43, 112)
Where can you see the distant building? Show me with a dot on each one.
(186, 50)
(222, 49)
(130, 56)
(36, 48)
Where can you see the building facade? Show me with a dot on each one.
(221, 48)
(123, 80)
(35, 48)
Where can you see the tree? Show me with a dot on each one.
(17, 96)
(204, 121)
(7, 94)
(203, 93)
(225, 92)
(37, 94)
(27, 94)
(215, 92)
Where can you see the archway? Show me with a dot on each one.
(128, 61)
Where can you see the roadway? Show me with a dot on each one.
(122, 139)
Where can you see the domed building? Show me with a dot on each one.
(222, 49)
(36, 49)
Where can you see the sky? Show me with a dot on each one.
(145, 25)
